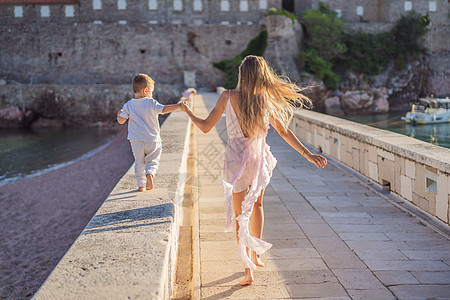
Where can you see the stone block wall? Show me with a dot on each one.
(112, 53)
(417, 171)
(141, 12)
(373, 16)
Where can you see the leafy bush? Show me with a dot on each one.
(323, 43)
(326, 45)
(256, 46)
(407, 35)
(311, 62)
(324, 32)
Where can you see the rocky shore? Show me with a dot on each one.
(42, 216)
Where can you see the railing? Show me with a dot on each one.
(414, 170)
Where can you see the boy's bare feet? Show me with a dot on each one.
(248, 279)
(142, 189)
(257, 260)
(149, 182)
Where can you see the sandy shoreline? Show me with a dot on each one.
(42, 216)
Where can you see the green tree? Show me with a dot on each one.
(371, 54)
(323, 43)
(324, 32)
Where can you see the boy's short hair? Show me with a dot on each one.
(141, 81)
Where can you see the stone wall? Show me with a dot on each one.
(380, 15)
(417, 171)
(128, 249)
(143, 12)
(113, 53)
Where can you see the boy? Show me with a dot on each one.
(143, 129)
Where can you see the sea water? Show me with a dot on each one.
(437, 134)
(26, 152)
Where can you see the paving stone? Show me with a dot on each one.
(342, 260)
(377, 245)
(264, 277)
(411, 236)
(427, 254)
(396, 277)
(247, 292)
(290, 243)
(329, 289)
(272, 234)
(216, 236)
(295, 264)
(358, 279)
(348, 220)
(225, 278)
(218, 255)
(318, 230)
(328, 215)
(363, 236)
(421, 291)
(441, 244)
(380, 254)
(442, 277)
(409, 265)
(367, 228)
(305, 220)
(383, 294)
(299, 253)
(328, 244)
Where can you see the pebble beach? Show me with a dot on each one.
(42, 216)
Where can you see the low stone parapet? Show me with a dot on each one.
(414, 170)
(128, 249)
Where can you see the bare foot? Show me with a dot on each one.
(142, 189)
(149, 182)
(257, 260)
(248, 279)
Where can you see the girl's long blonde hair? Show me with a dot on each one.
(263, 92)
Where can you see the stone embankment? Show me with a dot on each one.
(129, 247)
(56, 105)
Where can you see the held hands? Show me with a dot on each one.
(184, 106)
(119, 112)
(316, 159)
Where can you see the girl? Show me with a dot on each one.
(260, 97)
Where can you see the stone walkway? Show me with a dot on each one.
(333, 236)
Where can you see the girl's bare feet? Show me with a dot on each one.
(257, 260)
(142, 189)
(248, 279)
(149, 182)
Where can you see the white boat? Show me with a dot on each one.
(429, 111)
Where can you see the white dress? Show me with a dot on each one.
(248, 162)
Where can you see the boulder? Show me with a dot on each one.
(333, 106)
(11, 117)
(316, 91)
(359, 101)
(408, 84)
(381, 104)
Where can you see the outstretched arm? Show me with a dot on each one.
(205, 125)
(170, 108)
(292, 140)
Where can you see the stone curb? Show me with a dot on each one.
(128, 249)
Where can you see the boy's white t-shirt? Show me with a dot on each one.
(142, 115)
